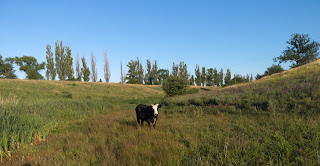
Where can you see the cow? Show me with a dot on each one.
(147, 113)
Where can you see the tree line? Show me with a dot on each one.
(152, 75)
(58, 65)
(301, 50)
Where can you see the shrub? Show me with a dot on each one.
(174, 86)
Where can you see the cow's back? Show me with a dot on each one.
(144, 112)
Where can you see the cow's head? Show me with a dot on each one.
(155, 109)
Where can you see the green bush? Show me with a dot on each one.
(174, 86)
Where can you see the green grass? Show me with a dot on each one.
(273, 121)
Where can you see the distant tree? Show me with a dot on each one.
(69, 64)
(251, 78)
(148, 77)
(94, 72)
(51, 71)
(30, 66)
(227, 78)
(237, 79)
(271, 70)
(191, 80)
(198, 76)
(210, 78)
(163, 75)
(221, 77)
(203, 76)
(100, 80)
(122, 76)
(61, 61)
(78, 71)
(301, 50)
(135, 73)
(155, 74)
(85, 70)
(175, 70)
(107, 73)
(216, 77)
(6, 68)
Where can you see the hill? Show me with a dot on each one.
(293, 91)
(273, 121)
(30, 110)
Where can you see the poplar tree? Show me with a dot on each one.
(227, 78)
(94, 73)
(216, 77)
(69, 64)
(51, 71)
(221, 77)
(107, 73)
(148, 77)
(210, 78)
(78, 71)
(60, 61)
(122, 76)
(203, 76)
(85, 70)
(198, 76)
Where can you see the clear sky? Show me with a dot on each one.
(241, 35)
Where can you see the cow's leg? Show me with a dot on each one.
(138, 122)
(149, 125)
(154, 126)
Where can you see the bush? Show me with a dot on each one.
(174, 86)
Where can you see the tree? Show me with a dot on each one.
(6, 68)
(198, 76)
(221, 77)
(30, 66)
(227, 78)
(122, 76)
(61, 59)
(51, 71)
(191, 81)
(183, 72)
(135, 73)
(301, 50)
(203, 76)
(148, 77)
(85, 70)
(163, 75)
(94, 72)
(107, 73)
(271, 70)
(78, 71)
(216, 77)
(155, 74)
(69, 64)
(175, 70)
(210, 78)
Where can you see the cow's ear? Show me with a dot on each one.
(159, 106)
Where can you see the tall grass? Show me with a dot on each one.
(30, 110)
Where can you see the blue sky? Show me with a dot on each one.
(243, 36)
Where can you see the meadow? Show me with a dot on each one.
(272, 121)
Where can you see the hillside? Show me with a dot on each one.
(30, 110)
(272, 121)
(293, 91)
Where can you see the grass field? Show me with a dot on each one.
(273, 121)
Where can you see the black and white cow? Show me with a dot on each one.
(147, 113)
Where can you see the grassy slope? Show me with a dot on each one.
(223, 126)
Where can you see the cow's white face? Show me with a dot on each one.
(155, 108)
